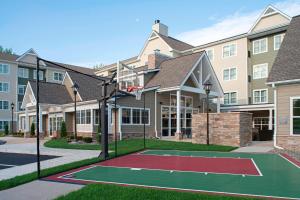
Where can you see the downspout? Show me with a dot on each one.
(275, 117)
(155, 113)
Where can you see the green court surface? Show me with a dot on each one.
(279, 178)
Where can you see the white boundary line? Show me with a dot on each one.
(193, 156)
(8, 165)
(62, 176)
(221, 152)
(256, 167)
(289, 161)
(151, 169)
(182, 189)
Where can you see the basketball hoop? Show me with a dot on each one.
(136, 90)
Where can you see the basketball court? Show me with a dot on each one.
(265, 175)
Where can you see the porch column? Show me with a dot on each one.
(218, 105)
(109, 118)
(270, 119)
(41, 119)
(26, 121)
(178, 112)
(120, 122)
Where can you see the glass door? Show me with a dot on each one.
(165, 121)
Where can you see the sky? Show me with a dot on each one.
(90, 32)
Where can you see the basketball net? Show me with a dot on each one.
(136, 90)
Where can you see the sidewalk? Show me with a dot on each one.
(19, 145)
(38, 190)
(257, 147)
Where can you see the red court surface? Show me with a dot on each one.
(234, 166)
(291, 160)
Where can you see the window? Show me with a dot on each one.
(57, 76)
(145, 117)
(277, 41)
(4, 68)
(260, 71)
(88, 117)
(4, 105)
(136, 116)
(4, 87)
(260, 46)
(41, 75)
(260, 96)
(23, 72)
(261, 123)
(229, 50)
(96, 116)
(295, 116)
(126, 115)
(3, 124)
(230, 98)
(21, 89)
(229, 74)
(20, 105)
(186, 101)
(210, 54)
(83, 117)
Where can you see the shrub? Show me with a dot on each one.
(88, 139)
(63, 129)
(79, 138)
(6, 129)
(32, 130)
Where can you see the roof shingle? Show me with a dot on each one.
(173, 71)
(175, 44)
(287, 63)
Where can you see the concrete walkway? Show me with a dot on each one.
(19, 145)
(257, 147)
(38, 190)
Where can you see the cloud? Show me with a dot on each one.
(237, 23)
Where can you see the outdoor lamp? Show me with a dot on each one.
(207, 87)
(75, 88)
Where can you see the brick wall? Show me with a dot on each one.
(233, 129)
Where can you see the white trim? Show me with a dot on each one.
(260, 90)
(55, 72)
(131, 117)
(155, 114)
(284, 82)
(292, 115)
(259, 40)
(63, 82)
(262, 15)
(229, 92)
(33, 54)
(260, 65)
(8, 87)
(229, 44)
(281, 37)
(229, 68)
(192, 70)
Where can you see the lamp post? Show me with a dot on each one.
(207, 87)
(12, 105)
(75, 88)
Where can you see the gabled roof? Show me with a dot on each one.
(175, 44)
(89, 88)
(8, 57)
(115, 64)
(51, 93)
(287, 63)
(173, 71)
(84, 70)
(269, 10)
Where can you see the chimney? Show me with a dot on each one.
(160, 28)
(155, 59)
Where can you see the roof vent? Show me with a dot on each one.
(157, 21)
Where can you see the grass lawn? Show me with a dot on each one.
(126, 146)
(114, 192)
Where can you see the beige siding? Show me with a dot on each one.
(270, 21)
(50, 75)
(239, 61)
(284, 138)
(11, 95)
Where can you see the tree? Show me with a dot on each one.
(98, 66)
(6, 50)
(6, 129)
(32, 129)
(63, 129)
